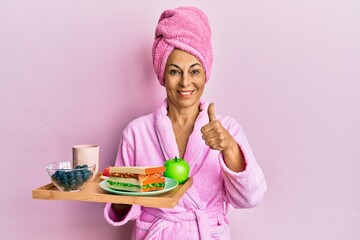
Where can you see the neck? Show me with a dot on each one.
(183, 116)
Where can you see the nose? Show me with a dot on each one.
(185, 80)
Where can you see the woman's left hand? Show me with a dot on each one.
(218, 138)
(215, 135)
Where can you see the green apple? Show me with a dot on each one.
(178, 169)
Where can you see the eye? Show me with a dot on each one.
(174, 72)
(195, 72)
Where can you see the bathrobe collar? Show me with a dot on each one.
(166, 136)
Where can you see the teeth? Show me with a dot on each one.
(185, 93)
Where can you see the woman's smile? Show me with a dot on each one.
(186, 93)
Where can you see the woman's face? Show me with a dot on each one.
(184, 79)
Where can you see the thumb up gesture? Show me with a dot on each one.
(214, 134)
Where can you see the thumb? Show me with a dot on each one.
(211, 112)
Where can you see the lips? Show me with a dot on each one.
(185, 93)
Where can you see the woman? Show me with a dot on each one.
(221, 162)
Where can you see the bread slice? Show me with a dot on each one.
(134, 185)
(136, 189)
(138, 170)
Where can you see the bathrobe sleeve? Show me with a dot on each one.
(124, 157)
(244, 189)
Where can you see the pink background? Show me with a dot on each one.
(75, 72)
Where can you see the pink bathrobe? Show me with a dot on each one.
(201, 212)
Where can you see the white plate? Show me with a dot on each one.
(170, 184)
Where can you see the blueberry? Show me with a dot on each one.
(86, 175)
(56, 175)
(85, 166)
(71, 174)
(79, 178)
(64, 181)
(78, 175)
(61, 174)
(63, 177)
(72, 183)
(80, 182)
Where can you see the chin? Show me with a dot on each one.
(188, 103)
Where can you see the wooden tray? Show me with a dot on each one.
(93, 193)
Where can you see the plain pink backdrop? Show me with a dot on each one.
(75, 72)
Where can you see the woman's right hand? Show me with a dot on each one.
(121, 209)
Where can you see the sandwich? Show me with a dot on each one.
(136, 179)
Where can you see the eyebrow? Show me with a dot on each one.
(192, 65)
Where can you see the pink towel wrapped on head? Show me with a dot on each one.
(184, 28)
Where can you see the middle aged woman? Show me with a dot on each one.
(221, 162)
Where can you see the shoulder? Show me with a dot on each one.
(227, 120)
(229, 123)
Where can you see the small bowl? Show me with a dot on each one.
(68, 178)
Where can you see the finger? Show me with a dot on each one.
(207, 128)
(212, 141)
(211, 112)
(214, 146)
(209, 135)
